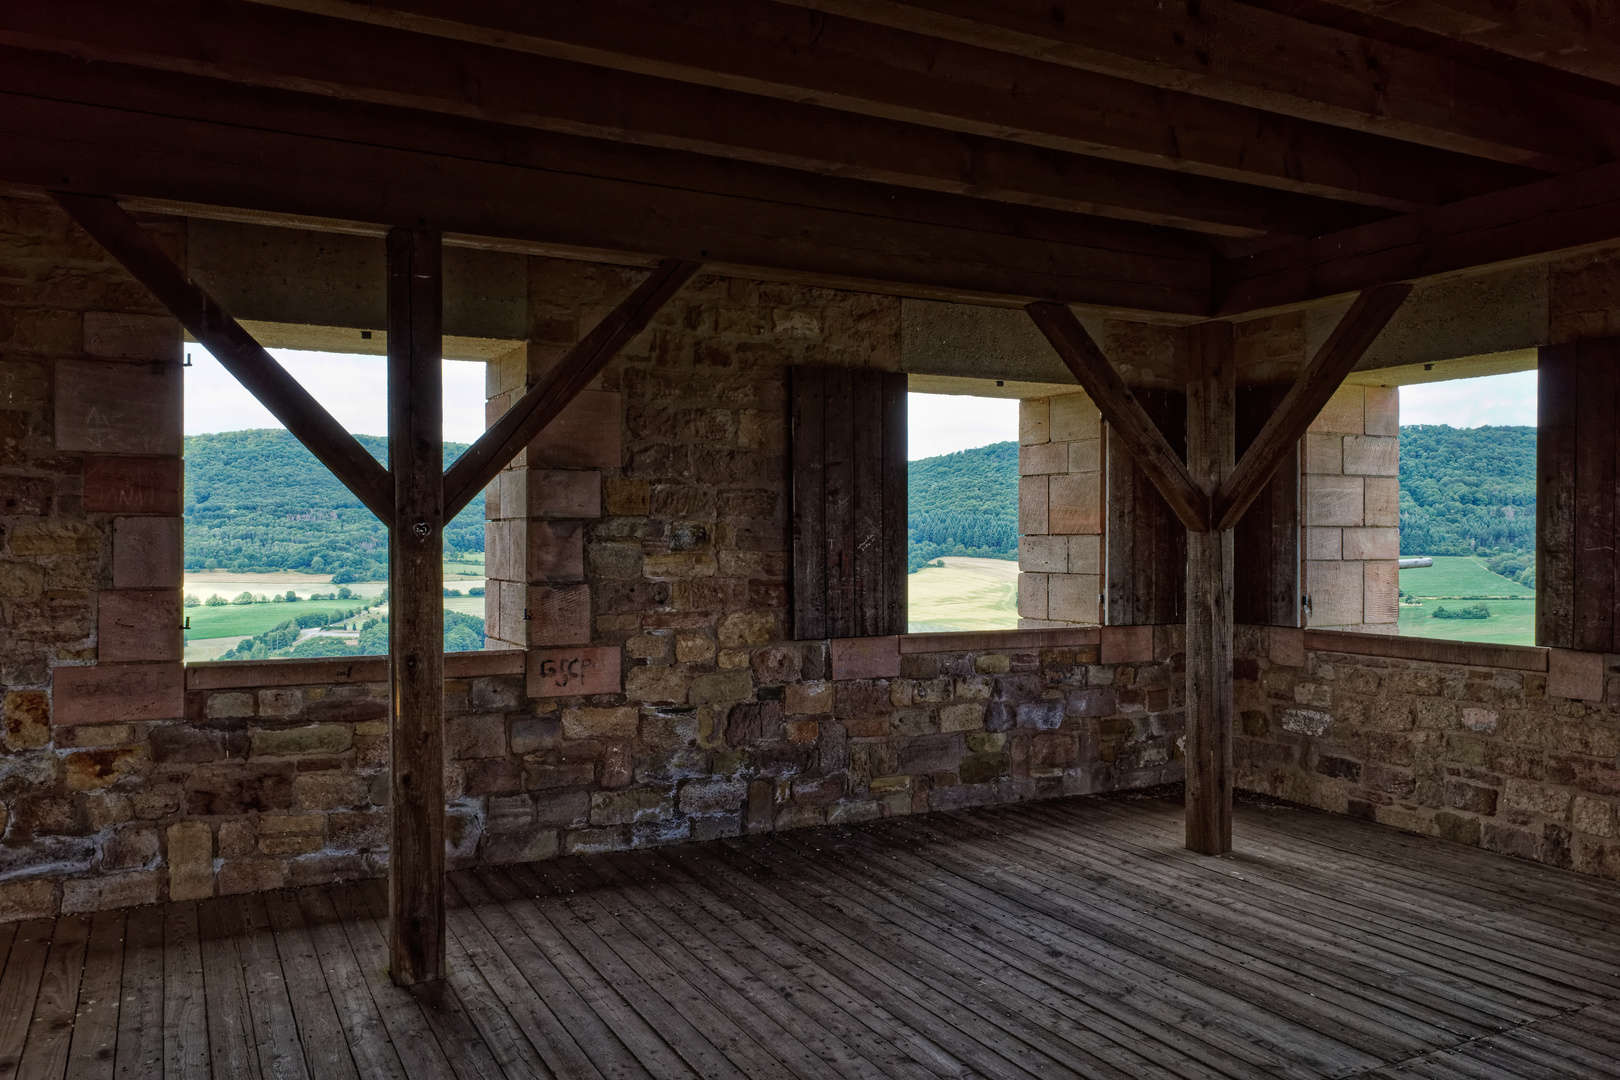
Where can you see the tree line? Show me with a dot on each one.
(964, 503)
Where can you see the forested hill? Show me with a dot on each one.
(257, 500)
(964, 503)
(1470, 491)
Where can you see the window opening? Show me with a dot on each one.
(281, 560)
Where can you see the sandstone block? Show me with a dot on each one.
(559, 614)
(1286, 646)
(965, 716)
(1337, 592)
(1537, 798)
(134, 847)
(1085, 456)
(1074, 504)
(628, 498)
(132, 485)
(1043, 554)
(573, 672)
(137, 624)
(601, 723)
(191, 860)
(1034, 421)
(28, 899)
(314, 739)
(1595, 817)
(147, 553)
(809, 698)
(1306, 721)
(1382, 410)
(693, 646)
(932, 754)
(118, 408)
(1073, 597)
(1381, 502)
(585, 435)
(117, 693)
(1032, 595)
(113, 335)
(1085, 554)
(631, 806)
(564, 493)
(107, 891)
(1324, 454)
(1380, 603)
(1343, 414)
(330, 790)
(1126, 644)
(866, 658)
(1334, 501)
(1039, 459)
(54, 538)
(1071, 417)
(1372, 455)
(722, 687)
(533, 734)
(1032, 505)
(475, 736)
(657, 683)
(1324, 543)
(720, 795)
(27, 719)
(740, 628)
(556, 552)
(1575, 675)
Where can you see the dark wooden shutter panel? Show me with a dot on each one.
(1266, 539)
(849, 502)
(1146, 544)
(1578, 413)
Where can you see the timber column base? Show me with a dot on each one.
(1209, 692)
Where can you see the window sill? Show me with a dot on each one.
(1470, 653)
(230, 674)
(998, 640)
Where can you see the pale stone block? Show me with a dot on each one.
(1575, 675)
(115, 335)
(1073, 417)
(191, 861)
(1085, 456)
(503, 549)
(1382, 502)
(1043, 554)
(111, 407)
(1072, 597)
(1337, 592)
(1032, 596)
(148, 553)
(1032, 512)
(1380, 589)
(1324, 454)
(1041, 458)
(1127, 644)
(1372, 455)
(1343, 413)
(1034, 424)
(1333, 500)
(1367, 543)
(1085, 553)
(559, 614)
(1324, 543)
(1074, 504)
(138, 624)
(866, 658)
(1382, 410)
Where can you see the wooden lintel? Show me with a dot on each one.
(1123, 412)
(1355, 333)
(484, 459)
(416, 607)
(234, 348)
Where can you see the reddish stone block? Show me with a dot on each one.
(1575, 675)
(117, 693)
(148, 553)
(562, 493)
(118, 408)
(132, 485)
(1127, 644)
(866, 658)
(1286, 646)
(138, 624)
(114, 335)
(556, 551)
(559, 614)
(573, 672)
(1074, 504)
(585, 435)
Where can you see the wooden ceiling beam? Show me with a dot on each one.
(1248, 56)
(259, 46)
(1553, 215)
(370, 164)
(778, 51)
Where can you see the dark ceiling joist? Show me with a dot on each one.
(255, 45)
(452, 175)
(1565, 212)
(1249, 56)
(782, 52)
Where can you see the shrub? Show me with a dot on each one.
(1473, 611)
(215, 600)
(243, 598)
(191, 601)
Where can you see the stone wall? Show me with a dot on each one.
(1508, 758)
(1352, 511)
(1060, 511)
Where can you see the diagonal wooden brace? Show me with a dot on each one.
(235, 349)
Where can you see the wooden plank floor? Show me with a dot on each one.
(1071, 938)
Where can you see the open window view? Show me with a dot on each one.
(283, 561)
(962, 506)
(1467, 509)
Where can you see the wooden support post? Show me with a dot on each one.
(1211, 436)
(416, 606)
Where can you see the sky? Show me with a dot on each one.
(945, 423)
(1494, 399)
(353, 389)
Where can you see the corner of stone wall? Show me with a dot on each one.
(1060, 512)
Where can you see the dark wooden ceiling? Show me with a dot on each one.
(1180, 157)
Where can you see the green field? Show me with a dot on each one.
(1456, 581)
(249, 619)
(964, 594)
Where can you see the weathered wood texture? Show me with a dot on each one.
(1126, 418)
(1144, 543)
(1577, 517)
(235, 349)
(1265, 541)
(506, 438)
(1072, 938)
(1211, 428)
(849, 502)
(416, 606)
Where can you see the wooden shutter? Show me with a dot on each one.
(849, 502)
(1146, 544)
(1266, 539)
(1578, 413)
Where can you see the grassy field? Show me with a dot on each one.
(245, 620)
(964, 594)
(1459, 581)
